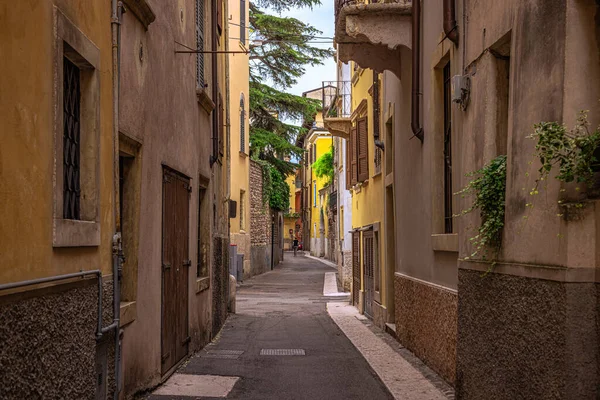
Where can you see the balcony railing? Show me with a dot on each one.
(337, 99)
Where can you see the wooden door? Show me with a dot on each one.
(355, 267)
(368, 264)
(175, 268)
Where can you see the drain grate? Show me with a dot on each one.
(282, 352)
(227, 354)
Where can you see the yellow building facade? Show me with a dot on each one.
(366, 183)
(318, 142)
(238, 73)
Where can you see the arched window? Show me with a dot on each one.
(242, 124)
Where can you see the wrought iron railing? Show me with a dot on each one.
(337, 99)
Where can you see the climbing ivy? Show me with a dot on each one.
(489, 188)
(323, 167)
(276, 192)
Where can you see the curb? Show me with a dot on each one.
(326, 262)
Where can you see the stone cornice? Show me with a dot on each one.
(141, 9)
(339, 127)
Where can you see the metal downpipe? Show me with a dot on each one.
(415, 123)
(117, 250)
(450, 27)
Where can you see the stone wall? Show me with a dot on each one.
(344, 266)
(426, 324)
(260, 226)
(48, 343)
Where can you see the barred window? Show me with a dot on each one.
(242, 124)
(71, 140)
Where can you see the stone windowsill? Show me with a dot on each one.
(202, 284)
(445, 242)
(128, 312)
(204, 99)
(242, 154)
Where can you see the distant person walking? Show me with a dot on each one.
(295, 246)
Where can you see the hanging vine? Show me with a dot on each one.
(572, 152)
(489, 189)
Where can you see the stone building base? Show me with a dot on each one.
(48, 343)
(344, 266)
(524, 338)
(426, 323)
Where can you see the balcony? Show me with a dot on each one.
(337, 109)
(371, 32)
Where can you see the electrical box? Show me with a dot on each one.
(460, 88)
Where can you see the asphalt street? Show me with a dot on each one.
(283, 313)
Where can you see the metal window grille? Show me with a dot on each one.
(71, 140)
(376, 115)
(200, 44)
(447, 152)
(242, 125)
(243, 21)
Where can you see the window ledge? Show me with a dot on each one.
(128, 312)
(445, 242)
(376, 174)
(73, 233)
(202, 284)
(242, 154)
(205, 100)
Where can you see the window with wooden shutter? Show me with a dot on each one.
(220, 128)
(243, 21)
(347, 166)
(200, 44)
(363, 149)
(355, 267)
(353, 156)
(220, 16)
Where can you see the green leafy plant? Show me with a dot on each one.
(323, 167)
(275, 191)
(571, 151)
(488, 186)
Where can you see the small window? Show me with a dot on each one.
(200, 44)
(242, 210)
(448, 192)
(242, 124)
(71, 140)
(314, 193)
(76, 178)
(243, 21)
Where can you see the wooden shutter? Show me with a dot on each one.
(363, 149)
(355, 266)
(347, 166)
(220, 16)
(221, 127)
(353, 156)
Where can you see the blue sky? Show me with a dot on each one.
(321, 18)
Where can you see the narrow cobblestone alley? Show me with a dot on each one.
(284, 310)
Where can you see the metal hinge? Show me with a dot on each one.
(187, 263)
(188, 188)
(164, 358)
(186, 341)
(166, 266)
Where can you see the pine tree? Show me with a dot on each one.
(280, 49)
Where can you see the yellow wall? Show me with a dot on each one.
(27, 34)
(368, 198)
(323, 141)
(238, 86)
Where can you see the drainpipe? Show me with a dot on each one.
(272, 239)
(117, 250)
(450, 27)
(415, 123)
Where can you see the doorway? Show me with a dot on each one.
(175, 269)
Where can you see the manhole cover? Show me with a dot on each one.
(282, 352)
(228, 354)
